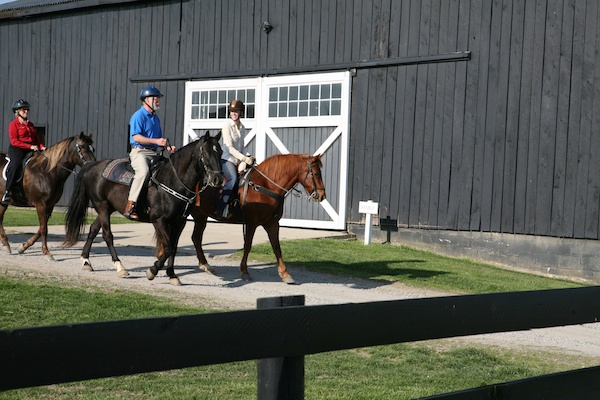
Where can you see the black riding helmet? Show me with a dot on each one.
(149, 91)
(19, 104)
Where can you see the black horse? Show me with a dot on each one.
(166, 202)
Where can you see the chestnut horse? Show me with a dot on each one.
(43, 182)
(261, 197)
(166, 202)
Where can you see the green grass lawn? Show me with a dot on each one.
(406, 265)
(22, 216)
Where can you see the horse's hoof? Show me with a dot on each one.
(7, 249)
(49, 257)
(246, 277)
(289, 280)
(149, 274)
(21, 248)
(86, 264)
(207, 268)
(175, 281)
(121, 271)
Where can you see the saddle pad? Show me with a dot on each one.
(118, 171)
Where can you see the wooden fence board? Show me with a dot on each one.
(95, 350)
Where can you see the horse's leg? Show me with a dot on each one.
(197, 234)
(43, 217)
(3, 237)
(248, 237)
(104, 222)
(86, 264)
(164, 249)
(42, 231)
(175, 230)
(272, 229)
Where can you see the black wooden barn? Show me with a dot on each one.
(472, 123)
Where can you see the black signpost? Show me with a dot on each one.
(389, 225)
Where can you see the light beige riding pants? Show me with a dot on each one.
(139, 164)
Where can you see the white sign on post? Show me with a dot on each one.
(368, 207)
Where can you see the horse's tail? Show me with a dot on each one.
(77, 212)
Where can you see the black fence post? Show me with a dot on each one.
(281, 378)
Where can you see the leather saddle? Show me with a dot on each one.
(120, 171)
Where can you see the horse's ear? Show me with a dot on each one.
(218, 137)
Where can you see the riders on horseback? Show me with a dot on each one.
(145, 136)
(23, 139)
(233, 143)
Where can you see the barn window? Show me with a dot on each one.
(310, 100)
(212, 104)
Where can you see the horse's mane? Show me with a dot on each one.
(52, 155)
(282, 165)
(184, 152)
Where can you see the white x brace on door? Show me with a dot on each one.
(286, 114)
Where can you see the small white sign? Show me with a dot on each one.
(368, 207)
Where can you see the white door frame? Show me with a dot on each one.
(261, 130)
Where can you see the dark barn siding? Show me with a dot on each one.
(503, 142)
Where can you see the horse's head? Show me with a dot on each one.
(84, 149)
(210, 156)
(313, 181)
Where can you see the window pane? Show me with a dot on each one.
(283, 94)
(195, 97)
(273, 94)
(222, 112)
(241, 96)
(336, 91)
(313, 109)
(314, 91)
(222, 96)
(250, 94)
(336, 107)
(272, 110)
(230, 96)
(325, 89)
(212, 99)
(282, 110)
(195, 112)
(294, 93)
(324, 107)
(293, 110)
(250, 111)
(212, 111)
(204, 97)
(303, 111)
(303, 92)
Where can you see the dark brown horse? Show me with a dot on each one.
(261, 204)
(43, 182)
(166, 202)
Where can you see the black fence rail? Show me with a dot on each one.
(30, 356)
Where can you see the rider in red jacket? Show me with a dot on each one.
(23, 139)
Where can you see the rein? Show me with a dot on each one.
(177, 195)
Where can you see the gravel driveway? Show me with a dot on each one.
(225, 289)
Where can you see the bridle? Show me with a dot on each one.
(78, 147)
(293, 190)
(309, 170)
(174, 193)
